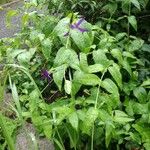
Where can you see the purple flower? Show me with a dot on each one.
(45, 74)
(77, 26)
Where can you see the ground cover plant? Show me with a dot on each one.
(79, 72)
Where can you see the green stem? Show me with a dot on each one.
(97, 96)
(129, 13)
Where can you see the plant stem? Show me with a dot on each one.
(129, 13)
(97, 95)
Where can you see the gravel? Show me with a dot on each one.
(9, 32)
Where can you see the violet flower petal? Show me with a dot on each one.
(45, 75)
(79, 22)
(82, 29)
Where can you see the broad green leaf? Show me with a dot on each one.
(47, 128)
(125, 6)
(110, 86)
(127, 67)
(82, 40)
(121, 117)
(128, 54)
(136, 137)
(59, 74)
(116, 53)
(115, 72)
(46, 48)
(108, 132)
(12, 53)
(136, 44)
(62, 28)
(104, 115)
(132, 20)
(68, 86)
(73, 119)
(146, 83)
(141, 94)
(75, 87)
(86, 79)
(83, 62)
(68, 57)
(146, 48)
(100, 58)
(88, 122)
(136, 4)
(136, 108)
(144, 131)
(119, 36)
(62, 113)
(25, 57)
(95, 68)
(110, 7)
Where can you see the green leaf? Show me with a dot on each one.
(62, 113)
(59, 74)
(82, 40)
(25, 19)
(108, 132)
(100, 58)
(141, 94)
(146, 83)
(62, 28)
(86, 79)
(75, 87)
(88, 122)
(133, 22)
(136, 44)
(73, 119)
(121, 35)
(121, 117)
(127, 67)
(46, 48)
(117, 53)
(136, 4)
(129, 55)
(95, 68)
(47, 127)
(9, 16)
(68, 57)
(115, 72)
(144, 131)
(68, 86)
(110, 86)
(83, 62)
(110, 7)
(25, 57)
(12, 53)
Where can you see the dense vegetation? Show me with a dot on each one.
(79, 72)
